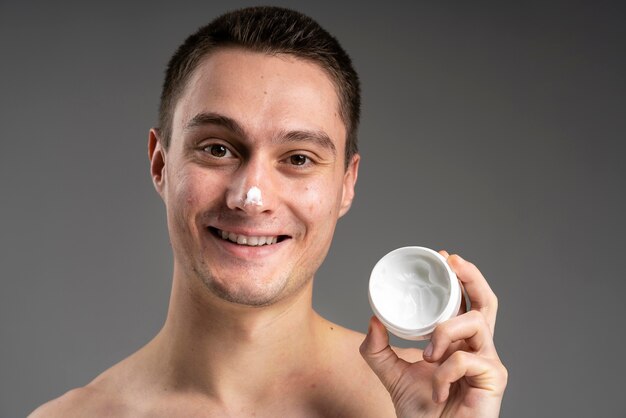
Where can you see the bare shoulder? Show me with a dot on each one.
(350, 340)
(89, 400)
(361, 392)
(105, 396)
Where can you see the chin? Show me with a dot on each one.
(246, 291)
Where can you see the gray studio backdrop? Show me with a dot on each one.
(495, 130)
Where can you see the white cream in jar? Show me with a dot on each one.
(412, 290)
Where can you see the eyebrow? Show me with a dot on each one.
(210, 118)
(318, 137)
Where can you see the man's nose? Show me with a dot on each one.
(252, 189)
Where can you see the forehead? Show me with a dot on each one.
(263, 93)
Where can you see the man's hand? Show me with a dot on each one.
(460, 374)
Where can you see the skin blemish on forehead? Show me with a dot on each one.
(253, 197)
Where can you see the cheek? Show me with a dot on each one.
(313, 200)
(307, 198)
(319, 200)
(183, 194)
(189, 194)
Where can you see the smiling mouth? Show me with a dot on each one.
(249, 240)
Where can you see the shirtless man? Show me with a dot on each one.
(255, 159)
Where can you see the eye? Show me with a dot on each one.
(298, 159)
(218, 150)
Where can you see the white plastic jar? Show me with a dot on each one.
(412, 290)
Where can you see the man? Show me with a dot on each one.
(255, 159)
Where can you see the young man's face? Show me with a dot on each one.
(248, 120)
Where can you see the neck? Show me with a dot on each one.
(231, 351)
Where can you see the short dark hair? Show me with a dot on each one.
(272, 30)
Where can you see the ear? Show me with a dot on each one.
(349, 182)
(156, 153)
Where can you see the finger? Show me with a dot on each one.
(463, 305)
(380, 357)
(480, 295)
(479, 372)
(471, 327)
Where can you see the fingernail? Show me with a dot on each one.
(429, 350)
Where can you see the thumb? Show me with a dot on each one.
(380, 357)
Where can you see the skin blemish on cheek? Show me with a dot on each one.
(253, 197)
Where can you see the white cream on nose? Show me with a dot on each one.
(253, 197)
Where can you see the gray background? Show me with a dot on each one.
(495, 130)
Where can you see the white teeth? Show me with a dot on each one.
(246, 240)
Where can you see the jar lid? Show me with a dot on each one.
(412, 290)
